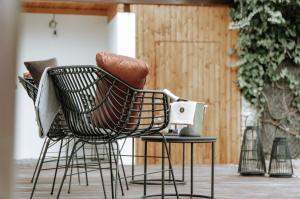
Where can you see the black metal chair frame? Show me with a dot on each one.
(122, 111)
(59, 133)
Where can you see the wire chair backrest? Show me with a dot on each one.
(97, 105)
(59, 128)
(30, 87)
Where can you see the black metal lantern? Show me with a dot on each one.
(252, 160)
(281, 160)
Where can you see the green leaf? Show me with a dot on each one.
(269, 34)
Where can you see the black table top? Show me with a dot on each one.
(179, 139)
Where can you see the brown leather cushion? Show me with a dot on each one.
(36, 68)
(130, 70)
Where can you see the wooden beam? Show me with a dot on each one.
(168, 2)
(66, 7)
(112, 11)
(103, 7)
(152, 2)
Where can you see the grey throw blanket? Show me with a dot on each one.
(46, 105)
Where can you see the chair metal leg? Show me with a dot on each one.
(40, 167)
(117, 169)
(57, 164)
(67, 150)
(171, 168)
(124, 173)
(85, 168)
(101, 174)
(71, 175)
(122, 165)
(111, 172)
(38, 162)
(120, 182)
(121, 186)
(78, 172)
(66, 170)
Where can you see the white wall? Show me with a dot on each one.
(121, 31)
(78, 40)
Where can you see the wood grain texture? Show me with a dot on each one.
(148, 2)
(103, 7)
(67, 7)
(187, 51)
(114, 9)
(228, 184)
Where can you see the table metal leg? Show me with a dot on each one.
(212, 168)
(192, 169)
(191, 194)
(132, 160)
(183, 162)
(163, 170)
(170, 158)
(145, 167)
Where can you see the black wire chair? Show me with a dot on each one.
(60, 132)
(116, 110)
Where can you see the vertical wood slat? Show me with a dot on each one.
(186, 48)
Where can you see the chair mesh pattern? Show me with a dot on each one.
(252, 161)
(97, 105)
(59, 128)
(281, 160)
(30, 87)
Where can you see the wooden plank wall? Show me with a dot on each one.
(187, 51)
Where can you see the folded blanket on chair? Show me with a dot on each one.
(47, 104)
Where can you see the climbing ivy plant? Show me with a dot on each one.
(269, 34)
